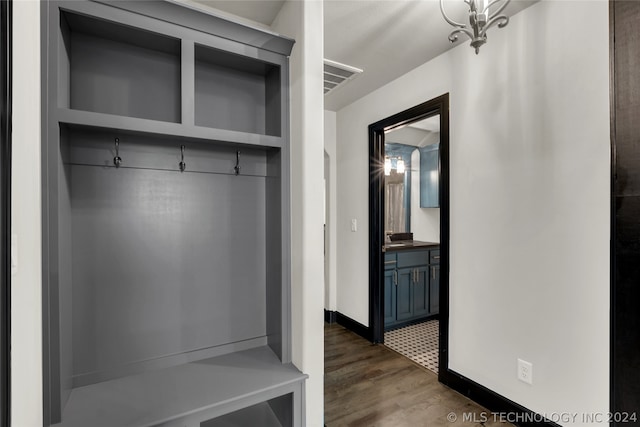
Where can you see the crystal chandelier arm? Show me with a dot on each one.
(502, 22)
(500, 9)
(449, 20)
(454, 34)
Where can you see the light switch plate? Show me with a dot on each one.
(354, 224)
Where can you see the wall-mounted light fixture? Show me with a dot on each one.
(387, 166)
(480, 20)
(399, 166)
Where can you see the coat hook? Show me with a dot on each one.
(236, 168)
(183, 165)
(117, 160)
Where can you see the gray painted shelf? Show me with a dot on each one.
(183, 392)
(136, 125)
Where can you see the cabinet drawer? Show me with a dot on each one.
(390, 261)
(434, 256)
(412, 258)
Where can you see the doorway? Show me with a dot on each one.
(415, 262)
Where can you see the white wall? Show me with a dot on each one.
(529, 203)
(26, 302)
(302, 20)
(425, 222)
(330, 278)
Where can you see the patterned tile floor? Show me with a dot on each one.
(418, 342)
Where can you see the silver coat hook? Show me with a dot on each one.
(183, 165)
(117, 160)
(236, 168)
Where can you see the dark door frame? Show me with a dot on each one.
(6, 12)
(439, 105)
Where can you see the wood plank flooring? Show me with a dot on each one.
(371, 385)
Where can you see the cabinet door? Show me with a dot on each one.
(421, 292)
(430, 176)
(404, 294)
(390, 281)
(434, 289)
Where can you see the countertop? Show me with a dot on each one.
(403, 245)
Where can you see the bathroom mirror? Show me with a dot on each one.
(411, 174)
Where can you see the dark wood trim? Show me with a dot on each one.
(352, 325)
(499, 405)
(624, 353)
(375, 333)
(6, 21)
(612, 240)
(330, 316)
(439, 105)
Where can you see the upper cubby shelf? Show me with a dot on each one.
(116, 69)
(236, 93)
(212, 87)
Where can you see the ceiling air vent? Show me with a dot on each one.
(336, 74)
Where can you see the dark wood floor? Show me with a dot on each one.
(371, 385)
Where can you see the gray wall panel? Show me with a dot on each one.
(229, 99)
(273, 102)
(274, 252)
(65, 279)
(164, 263)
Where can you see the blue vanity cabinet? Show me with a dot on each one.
(390, 283)
(430, 176)
(404, 294)
(421, 292)
(434, 281)
(411, 285)
(434, 289)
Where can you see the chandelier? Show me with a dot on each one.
(480, 20)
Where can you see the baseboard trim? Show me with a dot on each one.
(353, 326)
(504, 408)
(330, 316)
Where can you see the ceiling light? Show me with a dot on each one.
(400, 166)
(387, 166)
(480, 20)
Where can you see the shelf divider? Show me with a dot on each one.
(188, 82)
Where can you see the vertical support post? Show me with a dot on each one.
(188, 82)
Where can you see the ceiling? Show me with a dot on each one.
(385, 38)
(261, 11)
(419, 134)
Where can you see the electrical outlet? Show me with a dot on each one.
(525, 371)
(354, 225)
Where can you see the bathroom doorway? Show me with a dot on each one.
(409, 232)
